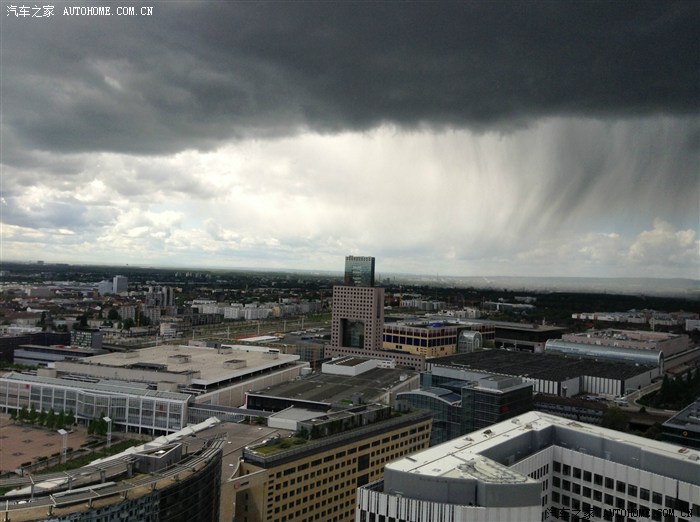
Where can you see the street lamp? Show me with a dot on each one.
(109, 430)
(64, 444)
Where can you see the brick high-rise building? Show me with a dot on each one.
(358, 309)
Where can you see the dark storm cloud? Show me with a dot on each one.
(195, 74)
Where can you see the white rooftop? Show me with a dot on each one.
(448, 459)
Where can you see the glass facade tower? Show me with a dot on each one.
(359, 271)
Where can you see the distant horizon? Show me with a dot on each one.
(678, 287)
(339, 271)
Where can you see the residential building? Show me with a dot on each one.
(120, 284)
(105, 287)
(538, 467)
(91, 338)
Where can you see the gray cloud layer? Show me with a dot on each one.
(195, 74)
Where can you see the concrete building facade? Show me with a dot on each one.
(318, 479)
(539, 467)
(358, 318)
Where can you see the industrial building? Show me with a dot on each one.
(670, 351)
(556, 374)
(538, 467)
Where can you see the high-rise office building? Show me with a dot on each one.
(359, 271)
(539, 467)
(358, 309)
(120, 284)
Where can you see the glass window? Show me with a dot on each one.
(644, 494)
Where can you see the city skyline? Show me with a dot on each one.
(486, 139)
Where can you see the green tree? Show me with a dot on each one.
(70, 418)
(113, 315)
(61, 420)
(51, 419)
(33, 415)
(41, 420)
(615, 419)
(23, 414)
(128, 324)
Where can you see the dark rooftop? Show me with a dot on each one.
(329, 388)
(544, 366)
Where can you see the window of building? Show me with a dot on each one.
(621, 487)
(644, 494)
(631, 490)
(598, 480)
(657, 498)
(609, 483)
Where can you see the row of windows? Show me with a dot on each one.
(600, 495)
(618, 485)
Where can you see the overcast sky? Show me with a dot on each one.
(469, 138)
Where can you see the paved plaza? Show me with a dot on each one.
(22, 443)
